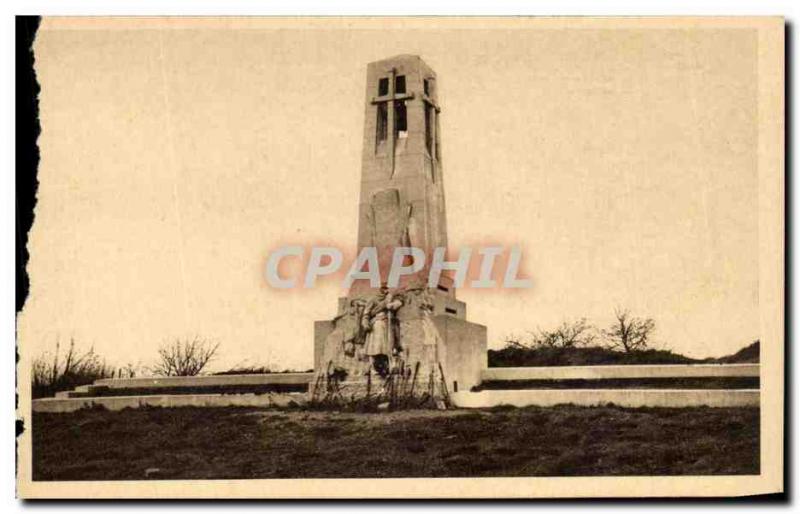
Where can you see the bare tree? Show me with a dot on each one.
(184, 358)
(543, 339)
(629, 333)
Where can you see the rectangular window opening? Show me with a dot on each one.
(382, 128)
(400, 84)
(428, 132)
(450, 311)
(400, 119)
(383, 87)
(442, 288)
(426, 87)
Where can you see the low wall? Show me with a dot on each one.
(463, 351)
(207, 380)
(621, 397)
(170, 400)
(629, 371)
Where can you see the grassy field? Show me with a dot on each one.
(231, 442)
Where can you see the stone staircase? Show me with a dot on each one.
(213, 390)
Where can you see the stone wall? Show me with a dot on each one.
(620, 397)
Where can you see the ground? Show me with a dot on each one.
(168, 443)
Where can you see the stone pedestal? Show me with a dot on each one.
(463, 352)
(437, 353)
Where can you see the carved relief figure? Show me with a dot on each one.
(353, 332)
(378, 320)
(389, 220)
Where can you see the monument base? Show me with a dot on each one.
(432, 355)
(463, 354)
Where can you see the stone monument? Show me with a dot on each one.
(412, 341)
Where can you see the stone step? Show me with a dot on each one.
(223, 384)
(206, 380)
(91, 389)
(72, 394)
(70, 404)
(619, 397)
(621, 371)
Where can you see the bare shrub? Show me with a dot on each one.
(516, 341)
(184, 357)
(129, 371)
(569, 334)
(629, 333)
(258, 370)
(61, 372)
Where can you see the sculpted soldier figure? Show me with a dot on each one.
(378, 321)
(352, 330)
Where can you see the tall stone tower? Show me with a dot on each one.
(402, 185)
(402, 155)
(384, 333)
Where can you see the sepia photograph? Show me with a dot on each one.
(400, 257)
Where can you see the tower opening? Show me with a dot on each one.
(400, 119)
(400, 84)
(382, 126)
(383, 87)
(429, 113)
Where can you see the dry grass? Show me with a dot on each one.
(252, 443)
(61, 371)
(258, 370)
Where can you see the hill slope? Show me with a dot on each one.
(748, 354)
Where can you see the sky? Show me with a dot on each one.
(623, 162)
